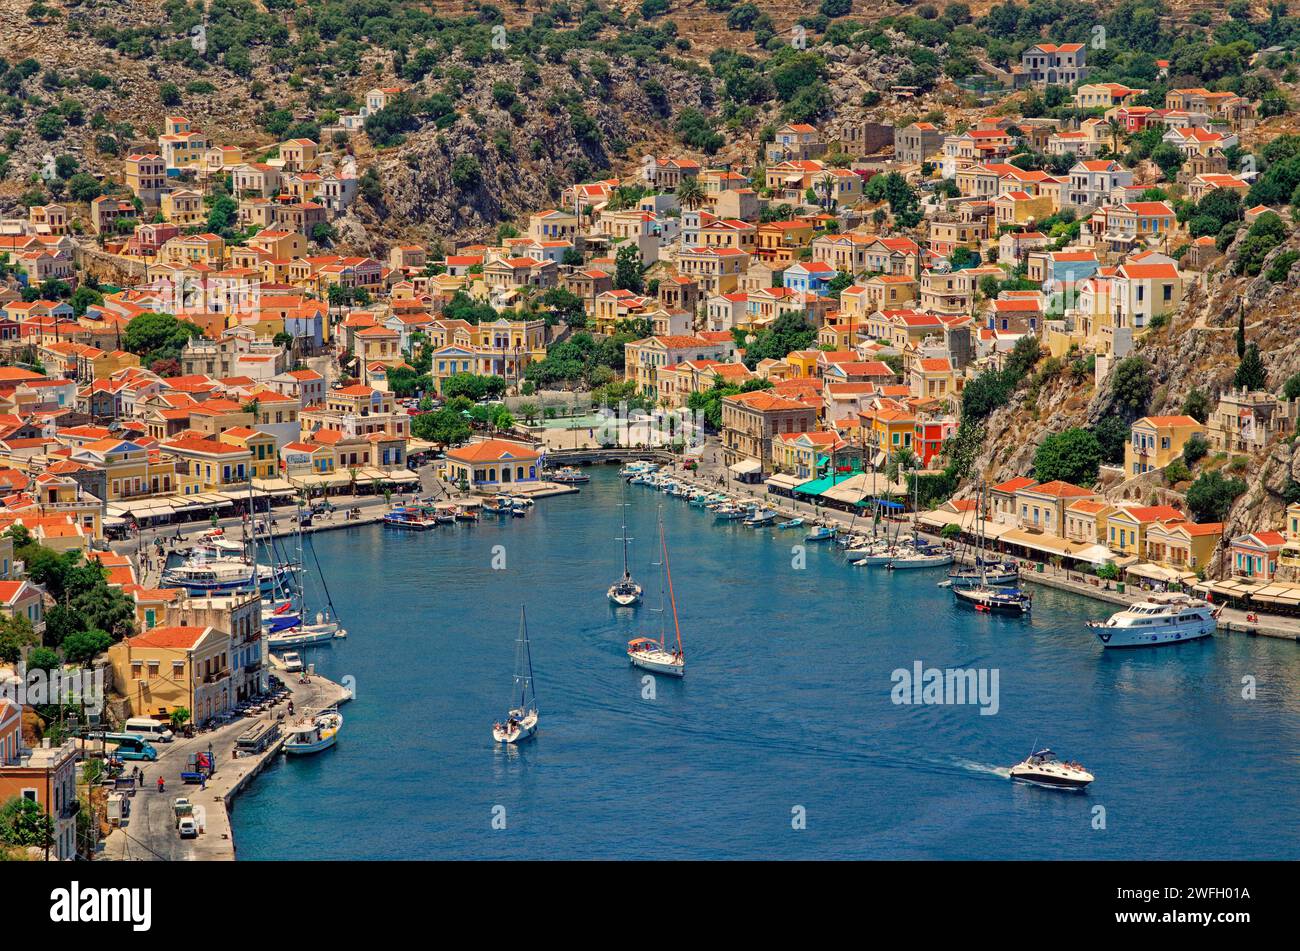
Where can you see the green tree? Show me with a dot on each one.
(1072, 455)
(1211, 496)
(82, 647)
(1250, 372)
(628, 270)
(1132, 385)
(158, 336)
(1112, 436)
(24, 823)
(16, 634)
(1197, 405)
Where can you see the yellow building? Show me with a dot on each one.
(1156, 441)
(1127, 528)
(263, 461)
(213, 464)
(166, 669)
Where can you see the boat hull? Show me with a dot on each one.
(1120, 637)
(661, 662)
(526, 728)
(302, 749)
(1048, 781)
(991, 603)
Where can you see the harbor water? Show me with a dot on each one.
(784, 739)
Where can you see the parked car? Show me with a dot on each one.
(188, 828)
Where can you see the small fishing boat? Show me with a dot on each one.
(570, 476)
(647, 652)
(639, 468)
(1044, 769)
(761, 517)
(410, 519)
(444, 513)
(791, 523)
(521, 719)
(497, 505)
(821, 533)
(467, 512)
(313, 734)
(729, 512)
(518, 511)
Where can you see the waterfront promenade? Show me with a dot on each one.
(712, 475)
(150, 832)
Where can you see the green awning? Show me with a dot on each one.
(818, 486)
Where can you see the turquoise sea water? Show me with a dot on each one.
(785, 710)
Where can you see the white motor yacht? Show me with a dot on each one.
(1158, 620)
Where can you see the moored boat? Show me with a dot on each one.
(1159, 619)
(924, 557)
(821, 533)
(991, 600)
(313, 734)
(625, 592)
(791, 523)
(569, 475)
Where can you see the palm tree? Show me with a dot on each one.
(690, 193)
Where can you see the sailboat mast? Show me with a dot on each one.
(677, 628)
(528, 656)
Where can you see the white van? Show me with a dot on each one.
(148, 729)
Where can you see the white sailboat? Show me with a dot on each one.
(625, 592)
(521, 720)
(652, 654)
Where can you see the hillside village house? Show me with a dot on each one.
(750, 423)
(1248, 421)
(1048, 64)
(46, 775)
(1156, 441)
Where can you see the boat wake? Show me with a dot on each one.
(1002, 772)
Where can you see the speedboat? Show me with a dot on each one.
(1160, 619)
(1044, 769)
(315, 734)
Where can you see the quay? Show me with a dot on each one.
(149, 833)
(1230, 620)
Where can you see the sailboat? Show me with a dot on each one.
(986, 596)
(303, 633)
(652, 654)
(521, 720)
(983, 571)
(625, 592)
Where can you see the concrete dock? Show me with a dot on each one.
(150, 835)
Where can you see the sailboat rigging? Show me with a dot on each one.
(647, 652)
(625, 592)
(521, 719)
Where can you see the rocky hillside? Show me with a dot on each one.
(1196, 350)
